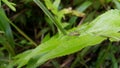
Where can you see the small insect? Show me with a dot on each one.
(75, 33)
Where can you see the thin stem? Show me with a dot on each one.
(23, 34)
(51, 17)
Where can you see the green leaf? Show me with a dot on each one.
(10, 5)
(84, 6)
(117, 3)
(88, 35)
(46, 38)
(5, 27)
(56, 3)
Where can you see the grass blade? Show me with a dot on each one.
(23, 34)
(5, 27)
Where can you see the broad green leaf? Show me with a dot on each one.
(105, 26)
(70, 46)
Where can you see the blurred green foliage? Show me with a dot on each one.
(28, 26)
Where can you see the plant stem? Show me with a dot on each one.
(23, 34)
(51, 17)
